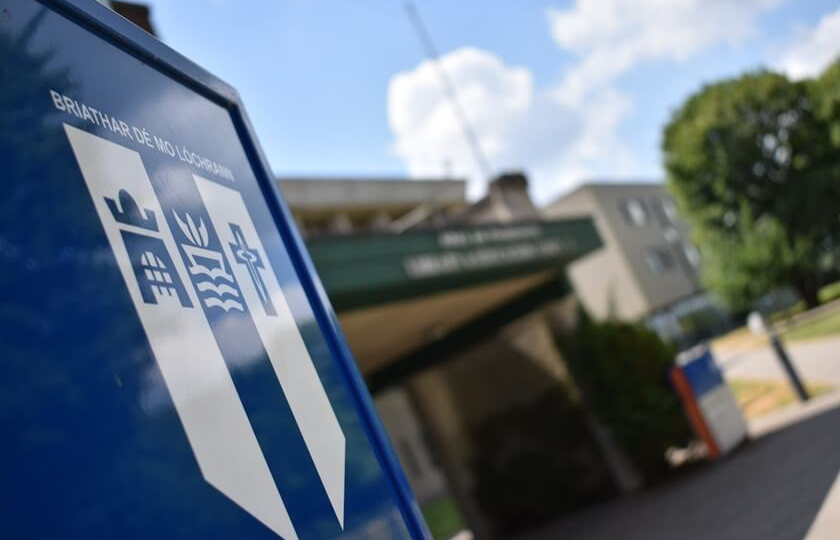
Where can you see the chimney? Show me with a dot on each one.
(139, 14)
(511, 201)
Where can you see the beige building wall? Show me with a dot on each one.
(606, 287)
(617, 280)
(603, 280)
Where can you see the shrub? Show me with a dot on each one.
(830, 292)
(537, 461)
(622, 372)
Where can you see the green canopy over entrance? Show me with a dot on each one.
(396, 294)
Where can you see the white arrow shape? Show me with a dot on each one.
(282, 340)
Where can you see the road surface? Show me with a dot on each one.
(771, 489)
(817, 360)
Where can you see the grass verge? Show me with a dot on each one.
(823, 326)
(443, 518)
(759, 397)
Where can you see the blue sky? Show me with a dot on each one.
(567, 91)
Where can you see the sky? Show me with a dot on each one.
(566, 91)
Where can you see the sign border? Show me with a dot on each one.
(121, 33)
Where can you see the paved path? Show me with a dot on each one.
(771, 489)
(817, 360)
(827, 524)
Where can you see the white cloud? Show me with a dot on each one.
(564, 133)
(613, 36)
(812, 49)
(518, 125)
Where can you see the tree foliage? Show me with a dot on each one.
(622, 372)
(754, 165)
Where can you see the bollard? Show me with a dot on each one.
(758, 324)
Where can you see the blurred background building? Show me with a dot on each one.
(447, 306)
(648, 269)
(452, 311)
(336, 206)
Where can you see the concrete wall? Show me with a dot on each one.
(343, 193)
(341, 206)
(512, 367)
(618, 278)
(603, 280)
(407, 437)
(660, 232)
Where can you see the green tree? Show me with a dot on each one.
(752, 166)
(826, 89)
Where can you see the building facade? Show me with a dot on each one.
(648, 268)
(335, 207)
(450, 310)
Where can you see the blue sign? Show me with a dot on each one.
(703, 374)
(170, 366)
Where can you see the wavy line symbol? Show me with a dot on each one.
(214, 273)
(215, 284)
(226, 305)
(220, 290)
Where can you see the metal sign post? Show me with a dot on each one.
(759, 325)
(171, 366)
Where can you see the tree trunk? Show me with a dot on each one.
(808, 288)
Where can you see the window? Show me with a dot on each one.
(670, 210)
(659, 260)
(634, 212)
(692, 254)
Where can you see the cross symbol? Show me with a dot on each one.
(243, 254)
